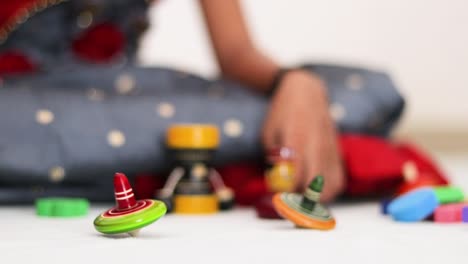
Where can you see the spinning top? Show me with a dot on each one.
(305, 210)
(129, 215)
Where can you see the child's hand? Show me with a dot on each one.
(299, 119)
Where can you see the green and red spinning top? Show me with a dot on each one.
(129, 215)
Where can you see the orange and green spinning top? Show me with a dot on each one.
(305, 210)
(130, 215)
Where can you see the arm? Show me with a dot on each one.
(298, 116)
(236, 54)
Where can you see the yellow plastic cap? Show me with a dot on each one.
(193, 136)
(196, 204)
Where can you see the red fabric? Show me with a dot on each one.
(429, 173)
(12, 10)
(370, 157)
(426, 166)
(100, 43)
(146, 184)
(13, 62)
(246, 180)
(374, 165)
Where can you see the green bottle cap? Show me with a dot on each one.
(62, 207)
(448, 194)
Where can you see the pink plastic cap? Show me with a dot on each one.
(449, 213)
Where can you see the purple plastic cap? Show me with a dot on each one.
(465, 214)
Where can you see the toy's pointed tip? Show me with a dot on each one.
(317, 183)
(120, 174)
(134, 233)
(123, 191)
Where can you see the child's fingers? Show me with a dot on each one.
(337, 180)
(334, 179)
(293, 141)
(270, 138)
(329, 192)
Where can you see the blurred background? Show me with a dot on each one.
(423, 44)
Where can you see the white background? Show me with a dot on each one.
(423, 44)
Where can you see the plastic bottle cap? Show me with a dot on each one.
(449, 213)
(449, 194)
(62, 207)
(192, 136)
(414, 206)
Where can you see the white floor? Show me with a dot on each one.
(362, 235)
